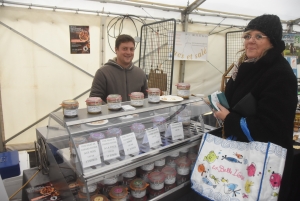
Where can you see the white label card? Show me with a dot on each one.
(177, 131)
(153, 137)
(110, 148)
(89, 153)
(130, 144)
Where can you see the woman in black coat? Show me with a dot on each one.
(267, 75)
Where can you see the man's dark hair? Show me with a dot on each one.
(123, 38)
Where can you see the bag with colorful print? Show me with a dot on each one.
(228, 170)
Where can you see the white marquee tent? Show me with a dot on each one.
(38, 71)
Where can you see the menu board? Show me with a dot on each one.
(79, 39)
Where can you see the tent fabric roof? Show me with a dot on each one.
(210, 11)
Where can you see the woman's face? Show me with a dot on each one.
(256, 43)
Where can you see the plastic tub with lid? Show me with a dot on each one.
(138, 188)
(118, 193)
(157, 180)
(170, 173)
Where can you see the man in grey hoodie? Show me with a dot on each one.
(119, 75)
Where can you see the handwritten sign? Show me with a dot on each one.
(177, 131)
(190, 46)
(153, 137)
(89, 153)
(130, 144)
(110, 148)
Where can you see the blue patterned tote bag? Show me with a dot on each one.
(228, 170)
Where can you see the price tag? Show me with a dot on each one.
(110, 148)
(177, 131)
(89, 153)
(130, 144)
(153, 137)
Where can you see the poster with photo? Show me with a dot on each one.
(292, 46)
(79, 39)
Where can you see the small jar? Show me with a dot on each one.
(96, 137)
(148, 166)
(137, 99)
(138, 129)
(170, 173)
(144, 174)
(193, 158)
(93, 105)
(157, 180)
(138, 188)
(153, 95)
(171, 159)
(118, 193)
(113, 132)
(160, 123)
(99, 197)
(70, 108)
(159, 164)
(183, 90)
(183, 152)
(91, 189)
(77, 141)
(114, 101)
(185, 117)
(183, 165)
(128, 177)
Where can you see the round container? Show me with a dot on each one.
(148, 166)
(157, 180)
(114, 101)
(153, 95)
(160, 123)
(183, 90)
(138, 188)
(128, 177)
(171, 159)
(118, 193)
(113, 132)
(170, 173)
(93, 105)
(183, 165)
(91, 189)
(99, 197)
(70, 108)
(193, 158)
(138, 129)
(77, 141)
(159, 164)
(96, 136)
(110, 180)
(185, 117)
(137, 99)
(183, 152)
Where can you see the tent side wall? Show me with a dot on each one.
(35, 79)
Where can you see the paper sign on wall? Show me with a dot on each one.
(177, 131)
(153, 137)
(110, 148)
(190, 46)
(89, 153)
(130, 144)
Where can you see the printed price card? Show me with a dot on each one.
(90, 154)
(130, 144)
(110, 148)
(177, 131)
(153, 137)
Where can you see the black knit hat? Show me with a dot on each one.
(270, 25)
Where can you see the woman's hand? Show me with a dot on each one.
(222, 113)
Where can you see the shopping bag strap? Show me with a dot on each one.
(245, 129)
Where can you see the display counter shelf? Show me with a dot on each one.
(69, 143)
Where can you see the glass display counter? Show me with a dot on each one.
(91, 154)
